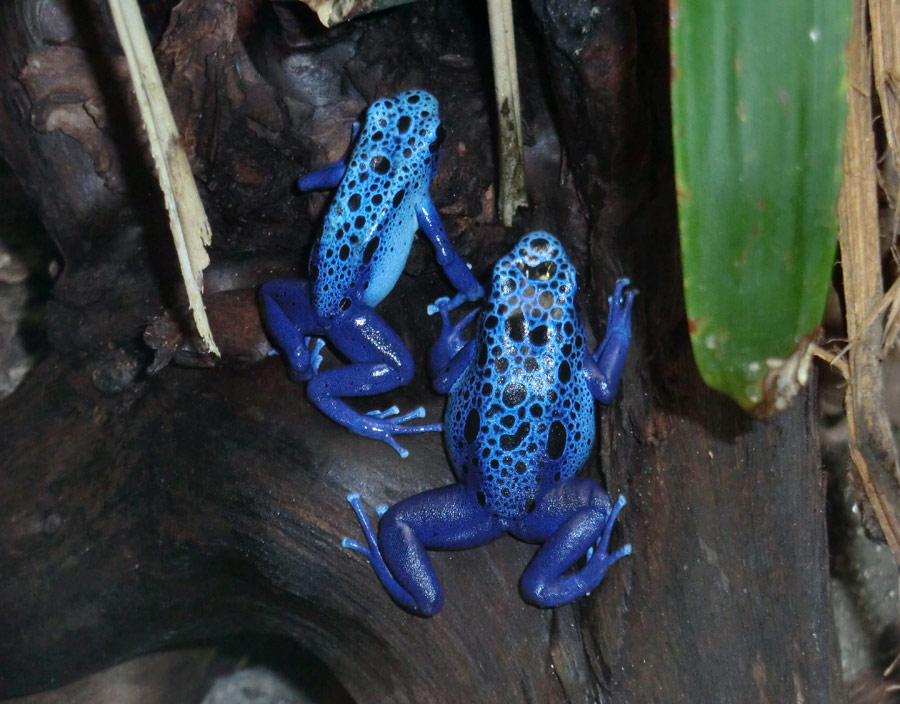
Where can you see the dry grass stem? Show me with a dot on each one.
(872, 447)
(187, 219)
(509, 111)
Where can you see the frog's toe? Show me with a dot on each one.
(386, 413)
(304, 365)
(620, 286)
(444, 305)
(406, 430)
(356, 547)
(608, 559)
(400, 450)
(439, 306)
(415, 413)
(395, 425)
(621, 552)
(603, 541)
(315, 356)
(620, 310)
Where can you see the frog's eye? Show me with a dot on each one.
(541, 272)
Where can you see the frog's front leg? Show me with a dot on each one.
(379, 362)
(570, 520)
(441, 519)
(330, 175)
(450, 355)
(289, 316)
(327, 176)
(455, 268)
(604, 367)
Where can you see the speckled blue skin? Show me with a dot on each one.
(519, 425)
(382, 199)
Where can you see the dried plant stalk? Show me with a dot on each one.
(187, 219)
(872, 447)
(884, 16)
(509, 111)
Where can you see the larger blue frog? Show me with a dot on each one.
(519, 424)
(381, 201)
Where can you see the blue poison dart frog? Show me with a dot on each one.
(382, 199)
(519, 425)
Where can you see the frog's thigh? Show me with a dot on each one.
(287, 301)
(364, 337)
(558, 505)
(448, 518)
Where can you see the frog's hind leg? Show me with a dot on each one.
(379, 362)
(570, 520)
(441, 519)
(290, 319)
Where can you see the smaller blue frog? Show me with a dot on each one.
(519, 424)
(381, 201)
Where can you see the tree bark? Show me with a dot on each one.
(147, 510)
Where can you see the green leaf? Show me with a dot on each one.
(758, 102)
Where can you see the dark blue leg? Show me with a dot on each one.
(440, 519)
(573, 519)
(290, 319)
(605, 366)
(453, 265)
(450, 355)
(328, 176)
(380, 362)
(331, 174)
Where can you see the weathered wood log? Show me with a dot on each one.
(142, 511)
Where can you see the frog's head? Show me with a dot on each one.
(536, 265)
(406, 131)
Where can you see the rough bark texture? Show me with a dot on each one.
(142, 510)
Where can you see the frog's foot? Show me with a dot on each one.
(603, 541)
(598, 560)
(373, 554)
(549, 580)
(474, 292)
(308, 362)
(620, 306)
(451, 340)
(444, 305)
(382, 425)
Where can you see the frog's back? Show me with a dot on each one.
(370, 226)
(521, 418)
